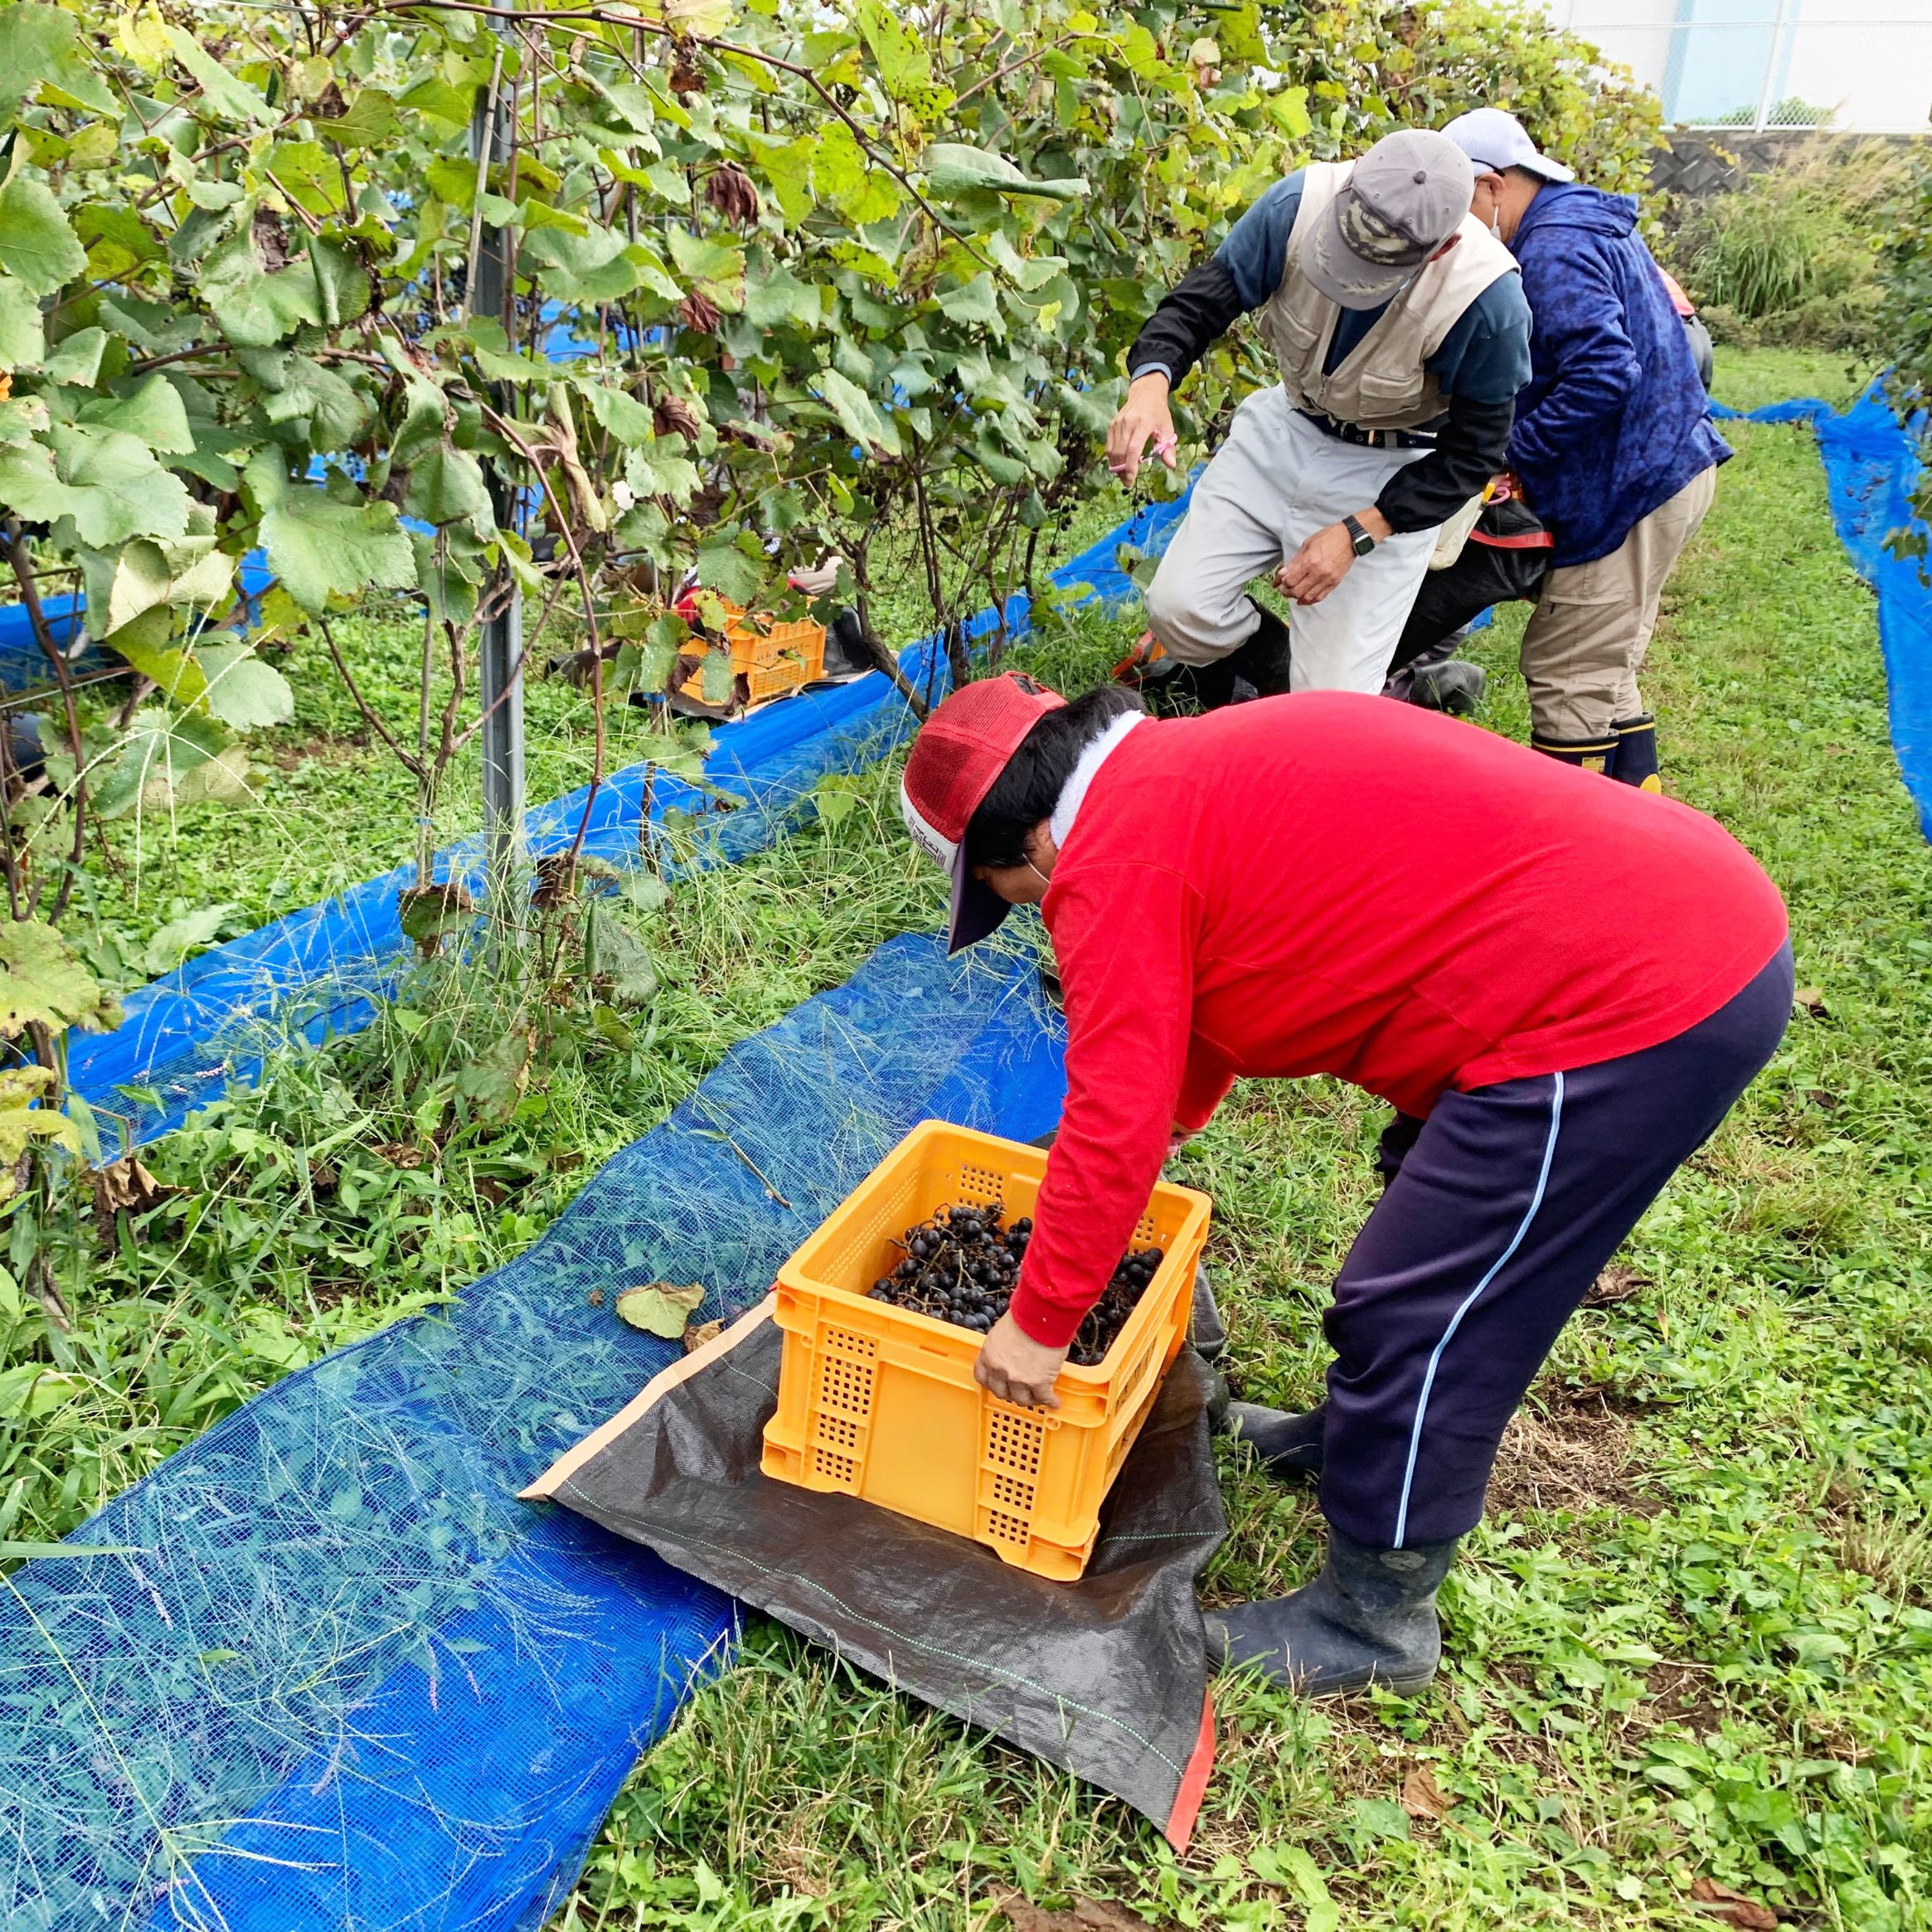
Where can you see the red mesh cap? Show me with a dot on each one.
(960, 751)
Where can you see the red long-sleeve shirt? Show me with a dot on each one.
(1331, 883)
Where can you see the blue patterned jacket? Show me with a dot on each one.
(1614, 421)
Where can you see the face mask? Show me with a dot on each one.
(1037, 873)
(1496, 223)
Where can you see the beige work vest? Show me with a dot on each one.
(1381, 383)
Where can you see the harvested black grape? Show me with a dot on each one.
(962, 1264)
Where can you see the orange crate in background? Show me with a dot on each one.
(771, 657)
(877, 1402)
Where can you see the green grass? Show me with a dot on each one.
(1691, 1638)
(328, 806)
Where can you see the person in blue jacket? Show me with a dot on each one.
(1612, 444)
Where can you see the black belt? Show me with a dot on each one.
(1370, 439)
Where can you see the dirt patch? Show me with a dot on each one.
(1682, 1694)
(1570, 1452)
(327, 748)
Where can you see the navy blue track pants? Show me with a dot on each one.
(1504, 1207)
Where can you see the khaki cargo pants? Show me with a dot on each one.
(1592, 624)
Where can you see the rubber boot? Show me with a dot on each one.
(1263, 661)
(1368, 1617)
(1257, 668)
(1289, 1445)
(1636, 760)
(1592, 754)
(1456, 687)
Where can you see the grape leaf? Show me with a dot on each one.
(857, 413)
(77, 359)
(242, 691)
(660, 1309)
(42, 983)
(780, 297)
(952, 170)
(976, 302)
(320, 548)
(371, 122)
(232, 99)
(152, 412)
(37, 243)
(723, 567)
(40, 45)
(22, 337)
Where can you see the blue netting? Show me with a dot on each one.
(1872, 467)
(314, 972)
(327, 1671)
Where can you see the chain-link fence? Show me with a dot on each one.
(1861, 66)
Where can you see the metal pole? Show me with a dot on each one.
(1763, 117)
(499, 673)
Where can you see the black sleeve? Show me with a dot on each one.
(1470, 448)
(1203, 304)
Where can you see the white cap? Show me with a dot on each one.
(1494, 141)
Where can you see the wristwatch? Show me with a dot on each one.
(1359, 537)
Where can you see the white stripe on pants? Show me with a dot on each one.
(1274, 483)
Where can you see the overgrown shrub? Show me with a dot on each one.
(1906, 319)
(1792, 256)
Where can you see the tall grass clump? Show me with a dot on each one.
(1793, 256)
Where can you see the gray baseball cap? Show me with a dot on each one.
(1402, 201)
(1495, 140)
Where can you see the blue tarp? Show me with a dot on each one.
(324, 1669)
(1872, 468)
(314, 972)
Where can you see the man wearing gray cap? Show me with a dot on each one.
(1402, 334)
(1612, 444)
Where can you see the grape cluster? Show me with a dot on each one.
(962, 1264)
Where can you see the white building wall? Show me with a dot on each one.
(1867, 63)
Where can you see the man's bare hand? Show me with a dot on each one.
(1317, 566)
(1143, 418)
(1015, 1367)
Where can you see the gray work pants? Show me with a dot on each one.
(1274, 483)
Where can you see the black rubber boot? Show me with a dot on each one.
(1256, 668)
(1289, 1445)
(1438, 680)
(1635, 762)
(1592, 754)
(1456, 687)
(1368, 1617)
(1263, 661)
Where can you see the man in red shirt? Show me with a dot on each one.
(1329, 883)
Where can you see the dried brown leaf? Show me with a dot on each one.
(1812, 998)
(704, 1332)
(126, 1183)
(1420, 1797)
(698, 311)
(1734, 1908)
(671, 416)
(1616, 1283)
(732, 192)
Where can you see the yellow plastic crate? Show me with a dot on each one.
(877, 1402)
(771, 657)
